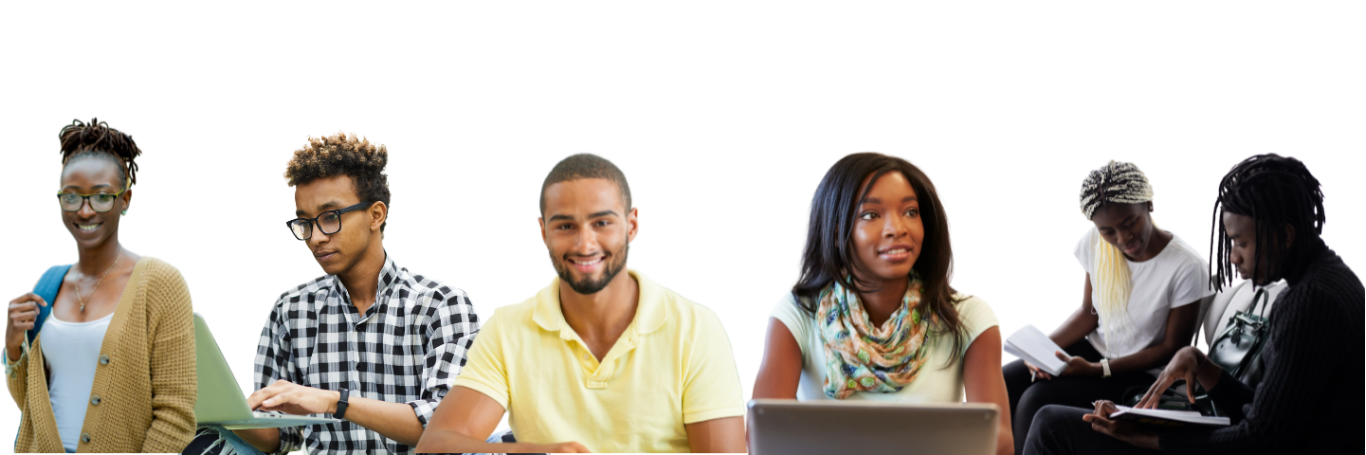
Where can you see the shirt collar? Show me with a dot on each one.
(650, 315)
(389, 276)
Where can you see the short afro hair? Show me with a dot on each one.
(337, 155)
(586, 166)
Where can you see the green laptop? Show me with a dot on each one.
(220, 399)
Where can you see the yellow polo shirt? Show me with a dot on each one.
(672, 366)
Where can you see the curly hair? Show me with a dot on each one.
(340, 154)
(97, 139)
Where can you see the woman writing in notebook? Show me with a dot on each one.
(111, 365)
(873, 316)
(1140, 305)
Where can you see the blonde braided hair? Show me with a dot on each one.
(1115, 183)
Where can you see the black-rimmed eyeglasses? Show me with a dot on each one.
(329, 222)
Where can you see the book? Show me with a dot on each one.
(1031, 345)
(1167, 417)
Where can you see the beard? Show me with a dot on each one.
(588, 285)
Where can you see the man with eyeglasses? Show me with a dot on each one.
(370, 343)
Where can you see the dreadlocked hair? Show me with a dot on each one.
(80, 139)
(1275, 192)
(337, 155)
(1115, 183)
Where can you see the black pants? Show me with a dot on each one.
(1060, 430)
(1027, 398)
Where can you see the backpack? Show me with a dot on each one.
(47, 288)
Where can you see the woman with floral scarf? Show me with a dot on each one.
(873, 316)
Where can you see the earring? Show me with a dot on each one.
(124, 212)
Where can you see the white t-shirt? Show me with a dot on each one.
(72, 349)
(1176, 277)
(935, 383)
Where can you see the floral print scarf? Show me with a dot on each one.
(860, 357)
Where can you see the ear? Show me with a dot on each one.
(1150, 206)
(1289, 236)
(541, 222)
(633, 223)
(127, 199)
(379, 212)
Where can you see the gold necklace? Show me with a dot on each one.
(97, 283)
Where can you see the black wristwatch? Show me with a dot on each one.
(341, 405)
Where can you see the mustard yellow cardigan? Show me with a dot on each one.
(145, 380)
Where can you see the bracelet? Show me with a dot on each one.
(12, 366)
(1105, 368)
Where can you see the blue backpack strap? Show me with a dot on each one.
(47, 288)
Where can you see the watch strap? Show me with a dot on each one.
(1105, 367)
(341, 404)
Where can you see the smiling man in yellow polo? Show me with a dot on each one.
(600, 360)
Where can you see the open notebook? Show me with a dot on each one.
(1167, 417)
(1034, 347)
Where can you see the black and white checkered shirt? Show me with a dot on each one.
(407, 348)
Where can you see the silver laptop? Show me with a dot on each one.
(828, 426)
(220, 399)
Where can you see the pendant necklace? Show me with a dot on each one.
(97, 283)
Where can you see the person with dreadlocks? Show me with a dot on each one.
(1268, 224)
(106, 362)
(1140, 306)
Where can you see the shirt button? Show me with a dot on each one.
(95, 400)
(585, 356)
(104, 360)
(85, 438)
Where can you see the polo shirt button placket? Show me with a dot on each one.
(600, 377)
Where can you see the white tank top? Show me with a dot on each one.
(72, 351)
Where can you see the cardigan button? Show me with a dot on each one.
(95, 400)
(85, 438)
(104, 360)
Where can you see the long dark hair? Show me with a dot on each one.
(830, 257)
(1274, 191)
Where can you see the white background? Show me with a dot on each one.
(723, 116)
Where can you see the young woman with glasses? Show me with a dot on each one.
(111, 367)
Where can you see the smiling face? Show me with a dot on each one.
(91, 175)
(587, 229)
(888, 230)
(1126, 226)
(1243, 253)
(338, 252)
